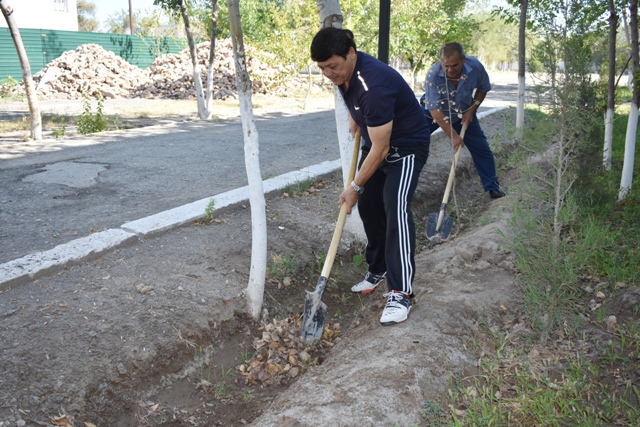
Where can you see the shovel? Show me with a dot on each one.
(439, 224)
(314, 309)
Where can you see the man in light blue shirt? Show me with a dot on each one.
(454, 89)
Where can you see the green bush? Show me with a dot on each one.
(88, 122)
(7, 87)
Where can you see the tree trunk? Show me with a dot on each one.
(608, 120)
(32, 97)
(521, 68)
(257, 275)
(212, 56)
(630, 70)
(331, 16)
(632, 127)
(197, 80)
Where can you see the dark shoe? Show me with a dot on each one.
(496, 194)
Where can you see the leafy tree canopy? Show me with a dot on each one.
(87, 16)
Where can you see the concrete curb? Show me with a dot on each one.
(32, 266)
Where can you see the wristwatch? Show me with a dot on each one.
(359, 190)
(476, 102)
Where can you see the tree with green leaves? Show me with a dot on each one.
(32, 97)
(118, 22)
(418, 30)
(494, 42)
(87, 16)
(146, 23)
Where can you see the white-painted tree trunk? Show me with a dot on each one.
(608, 139)
(257, 275)
(208, 108)
(353, 224)
(197, 80)
(522, 32)
(611, 88)
(331, 16)
(32, 97)
(626, 179)
(632, 126)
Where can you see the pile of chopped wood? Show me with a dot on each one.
(97, 71)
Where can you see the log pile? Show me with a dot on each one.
(97, 71)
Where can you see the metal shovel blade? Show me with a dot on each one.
(315, 312)
(436, 235)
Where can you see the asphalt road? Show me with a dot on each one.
(78, 186)
(59, 191)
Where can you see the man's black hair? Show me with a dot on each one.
(450, 48)
(331, 41)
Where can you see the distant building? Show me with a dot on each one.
(44, 14)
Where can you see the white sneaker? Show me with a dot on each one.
(369, 284)
(397, 308)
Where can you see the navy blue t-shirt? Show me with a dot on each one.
(378, 94)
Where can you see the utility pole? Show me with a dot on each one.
(383, 30)
(130, 18)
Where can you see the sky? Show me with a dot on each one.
(109, 7)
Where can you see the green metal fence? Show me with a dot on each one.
(43, 46)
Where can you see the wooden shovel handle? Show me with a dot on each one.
(337, 234)
(452, 172)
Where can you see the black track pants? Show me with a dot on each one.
(385, 209)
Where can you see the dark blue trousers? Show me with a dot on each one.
(478, 146)
(385, 210)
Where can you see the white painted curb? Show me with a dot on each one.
(30, 267)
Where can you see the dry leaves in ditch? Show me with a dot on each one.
(280, 355)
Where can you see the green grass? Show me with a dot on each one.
(541, 375)
(517, 388)
(298, 188)
(208, 211)
(281, 266)
(623, 94)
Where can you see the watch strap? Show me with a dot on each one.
(359, 190)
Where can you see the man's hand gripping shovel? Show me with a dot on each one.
(315, 310)
(439, 224)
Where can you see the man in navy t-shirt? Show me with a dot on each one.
(396, 146)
